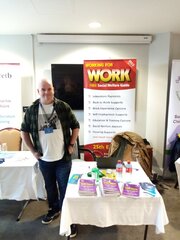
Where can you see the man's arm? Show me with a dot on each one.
(27, 140)
(74, 136)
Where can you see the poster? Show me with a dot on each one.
(109, 101)
(173, 121)
(10, 95)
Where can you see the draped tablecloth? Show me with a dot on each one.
(104, 211)
(20, 177)
(177, 164)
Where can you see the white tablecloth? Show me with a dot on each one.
(107, 211)
(177, 164)
(20, 177)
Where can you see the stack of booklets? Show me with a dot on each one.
(87, 187)
(109, 187)
(131, 190)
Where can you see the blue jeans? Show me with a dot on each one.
(56, 176)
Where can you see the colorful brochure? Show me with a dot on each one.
(87, 187)
(131, 190)
(148, 188)
(109, 187)
(74, 178)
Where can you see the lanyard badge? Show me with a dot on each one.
(48, 127)
(48, 130)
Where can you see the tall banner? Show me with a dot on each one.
(10, 95)
(173, 122)
(109, 101)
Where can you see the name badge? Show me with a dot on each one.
(48, 130)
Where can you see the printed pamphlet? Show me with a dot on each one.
(87, 187)
(74, 178)
(148, 188)
(131, 190)
(109, 187)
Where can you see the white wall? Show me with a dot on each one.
(157, 94)
(152, 74)
(19, 49)
(46, 54)
(164, 48)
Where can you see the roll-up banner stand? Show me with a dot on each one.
(109, 101)
(173, 121)
(10, 95)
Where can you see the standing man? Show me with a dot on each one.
(50, 130)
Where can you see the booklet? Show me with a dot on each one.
(109, 187)
(74, 178)
(87, 187)
(131, 190)
(148, 188)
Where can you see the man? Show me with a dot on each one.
(50, 130)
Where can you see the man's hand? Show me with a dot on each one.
(37, 155)
(70, 149)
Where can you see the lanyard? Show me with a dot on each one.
(45, 114)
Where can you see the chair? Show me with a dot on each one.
(12, 137)
(80, 149)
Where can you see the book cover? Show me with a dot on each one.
(131, 190)
(74, 178)
(148, 188)
(87, 187)
(109, 187)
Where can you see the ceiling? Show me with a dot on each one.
(73, 16)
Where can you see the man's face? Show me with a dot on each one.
(46, 92)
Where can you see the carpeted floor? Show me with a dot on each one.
(30, 227)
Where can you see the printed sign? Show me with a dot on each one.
(109, 101)
(173, 123)
(10, 95)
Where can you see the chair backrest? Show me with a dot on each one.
(12, 137)
(80, 149)
(76, 153)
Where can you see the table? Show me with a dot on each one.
(177, 164)
(20, 177)
(145, 210)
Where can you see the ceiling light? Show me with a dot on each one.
(94, 25)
